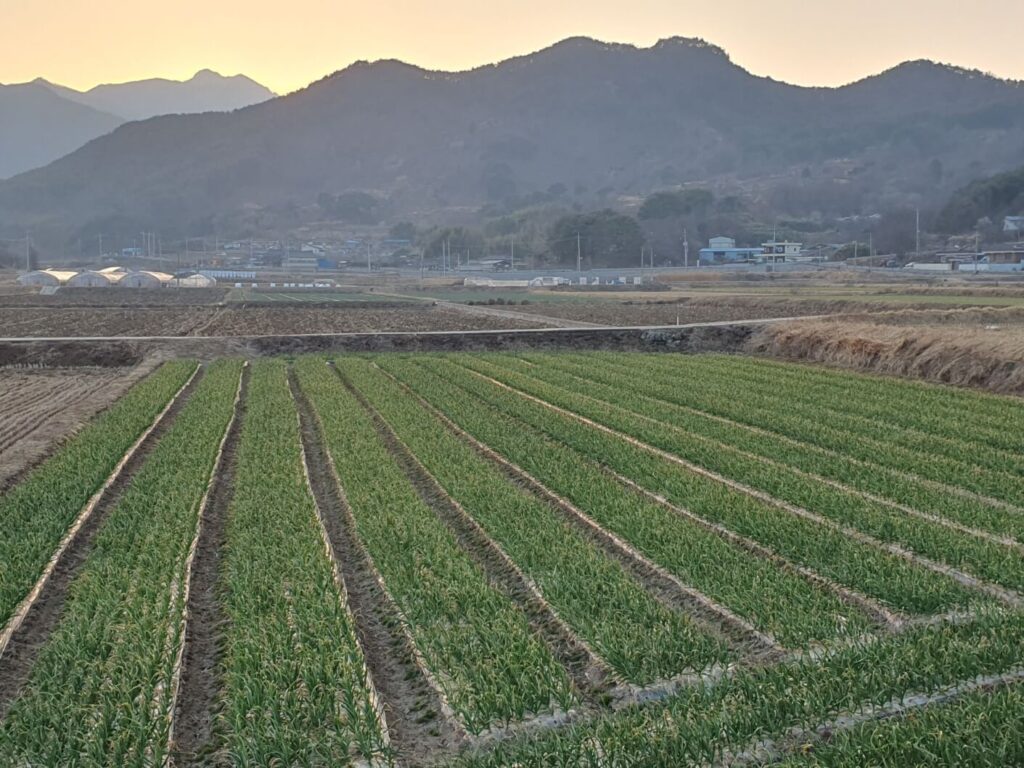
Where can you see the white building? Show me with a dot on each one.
(779, 251)
(721, 243)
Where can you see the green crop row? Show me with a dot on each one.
(673, 429)
(983, 729)
(599, 380)
(861, 566)
(766, 408)
(775, 602)
(37, 512)
(295, 690)
(969, 416)
(477, 643)
(638, 637)
(914, 427)
(99, 692)
(700, 726)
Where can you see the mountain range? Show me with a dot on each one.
(586, 121)
(41, 121)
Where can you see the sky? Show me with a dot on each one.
(286, 44)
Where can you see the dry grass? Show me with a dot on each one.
(990, 358)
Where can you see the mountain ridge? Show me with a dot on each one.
(599, 119)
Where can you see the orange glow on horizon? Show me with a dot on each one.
(285, 46)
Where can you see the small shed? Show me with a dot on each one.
(46, 278)
(146, 279)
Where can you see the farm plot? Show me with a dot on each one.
(535, 559)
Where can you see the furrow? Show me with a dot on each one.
(667, 587)
(588, 671)
(196, 684)
(419, 717)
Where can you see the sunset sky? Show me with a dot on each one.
(286, 44)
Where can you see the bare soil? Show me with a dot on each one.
(200, 681)
(40, 408)
(45, 612)
(241, 320)
(114, 297)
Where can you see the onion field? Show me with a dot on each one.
(519, 559)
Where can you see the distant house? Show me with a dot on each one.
(779, 251)
(723, 250)
(1013, 224)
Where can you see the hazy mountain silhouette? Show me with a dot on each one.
(592, 118)
(37, 126)
(206, 91)
(41, 121)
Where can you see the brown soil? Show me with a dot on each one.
(419, 731)
(991, 359)
(200, 681)
(115, 297)
(41, 408)
(241, 321)
(45, 612)
(684, 311)
(588, 673)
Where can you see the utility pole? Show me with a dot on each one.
(101, 245)
(512, 258)
(686, 250)
(368, 270)
(579, 257)
(917, 234)
(28, 251)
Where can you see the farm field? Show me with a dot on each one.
(234, 320)
(530, 559)
(40, 407)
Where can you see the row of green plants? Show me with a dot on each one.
(875, 412)
(703, 726)
(776, 602)
(768, 408)
(100, 690)
(896, 582)
(37, 512)
(638, 637)
(479, 646)
(673, 429)
(983, 729)
(295, 686)
(875, 479)
(965, 415)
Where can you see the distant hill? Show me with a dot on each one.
(37, 126)
(206, 91)
(41, 122)
(589, 119)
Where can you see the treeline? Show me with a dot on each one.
(991, 198)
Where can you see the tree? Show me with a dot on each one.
(665, 205)
(606, 239)
(403, 230)
(351, 207)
